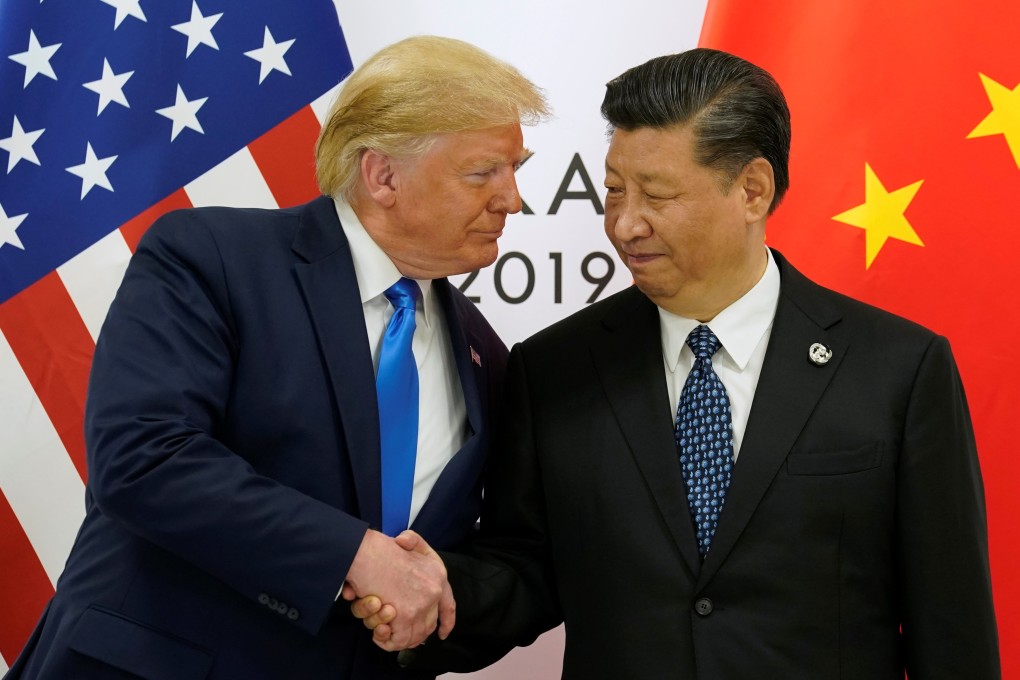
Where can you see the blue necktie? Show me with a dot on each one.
(397, 390)
(704, 437)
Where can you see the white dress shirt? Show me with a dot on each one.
(743, 329)
(442, 414)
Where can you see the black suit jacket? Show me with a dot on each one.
(852, 545)
(233, 450)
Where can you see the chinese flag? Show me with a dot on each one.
(905, 185)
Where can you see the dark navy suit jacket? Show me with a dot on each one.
(233, 453)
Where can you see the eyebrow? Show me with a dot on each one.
(494, 161)
(645, 177)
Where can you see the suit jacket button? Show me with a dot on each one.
(263, 598)
(406, 657)
(704, 606)
(293, 614)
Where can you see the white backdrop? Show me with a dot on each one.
(570, 48)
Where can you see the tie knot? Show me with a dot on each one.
(404, 293)
(703, 342)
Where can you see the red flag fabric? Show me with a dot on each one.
(905, 166)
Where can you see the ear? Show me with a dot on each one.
(377, 176)
(758, 182)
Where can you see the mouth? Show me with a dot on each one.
(495, 230)
(639, 259)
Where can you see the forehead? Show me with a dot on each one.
(504, 143)
(653, 156)
(641, 148)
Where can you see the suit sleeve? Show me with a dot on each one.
(504, 585)
(947, 616)
(161, 379)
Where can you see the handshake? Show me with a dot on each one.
(398, 588)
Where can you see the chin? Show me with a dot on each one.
(468, 264)
(485, 256)
(651, 288)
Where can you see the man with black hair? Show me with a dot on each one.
(725, 471)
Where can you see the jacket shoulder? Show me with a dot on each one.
(831, 309)
(220, 224)
(627, 306)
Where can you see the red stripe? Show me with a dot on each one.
(24, 586)
(54, 348)
(286, 158)
(133, 229)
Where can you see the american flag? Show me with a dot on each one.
(113, 112)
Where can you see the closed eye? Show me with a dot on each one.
(518, 164)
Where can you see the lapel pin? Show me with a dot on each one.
(819, 354)
(475, 359)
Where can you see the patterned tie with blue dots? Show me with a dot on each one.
(704, 437)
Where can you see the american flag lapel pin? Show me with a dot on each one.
(475, 359)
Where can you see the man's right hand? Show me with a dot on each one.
(402, 589)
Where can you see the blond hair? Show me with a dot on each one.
(409, 92)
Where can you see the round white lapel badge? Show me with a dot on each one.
(819, 354)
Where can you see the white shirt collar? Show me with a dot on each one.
(739, 327)
(373, 268)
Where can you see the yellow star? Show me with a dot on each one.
(1005, 116)
(881, 215)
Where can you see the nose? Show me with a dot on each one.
(625, 221)
(507, 198)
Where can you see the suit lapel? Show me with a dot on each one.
(456, 479)
(463, 342)
(330, 289)
(788, 389)
(628, 359)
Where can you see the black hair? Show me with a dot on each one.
(736, 110)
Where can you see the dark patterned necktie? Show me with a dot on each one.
(704, 437)
(397, 390)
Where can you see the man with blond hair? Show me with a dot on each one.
(243, 463)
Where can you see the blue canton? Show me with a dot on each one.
(106, 108)
(704, 438)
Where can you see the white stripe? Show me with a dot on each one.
(93, 276)
(3, 665)
(236, 183)
(36, 474)
(321, 105)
